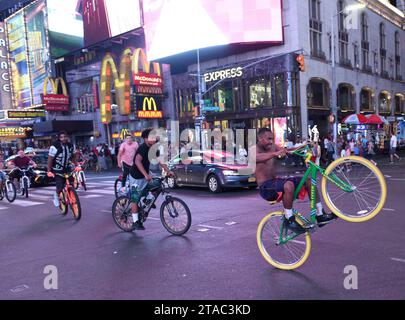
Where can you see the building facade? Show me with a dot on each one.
(370, 71)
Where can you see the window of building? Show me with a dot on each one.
(315, 28)
(225, 96)
(280, 90)
(383, 51)
(260, 93)
(365, 45)
(343, 35)
(346, 97)
(397, 57)
(318, 94)
(384, 102)
(399, 104)
(366, 100)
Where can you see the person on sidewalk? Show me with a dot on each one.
(393, 148)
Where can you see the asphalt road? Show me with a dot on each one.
(217, 259)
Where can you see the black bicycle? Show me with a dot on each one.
(174, 212)
(8, 191)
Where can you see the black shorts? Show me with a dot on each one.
(272, 190)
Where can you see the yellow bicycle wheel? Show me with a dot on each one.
(367, 194)
(286, 256)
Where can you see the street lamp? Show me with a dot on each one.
(350, 8)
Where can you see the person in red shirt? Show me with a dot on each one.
(21, 162)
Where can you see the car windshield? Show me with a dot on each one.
(41, 158)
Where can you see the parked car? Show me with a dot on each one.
(40, 157)
(209, 169)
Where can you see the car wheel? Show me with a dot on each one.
(214, 184)
(171, 182)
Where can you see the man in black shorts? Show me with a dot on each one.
(274, 188)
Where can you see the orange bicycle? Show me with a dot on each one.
(69, 198)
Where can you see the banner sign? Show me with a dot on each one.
(55, 102)
(149, 108)
(145, 79)
(13, 132)
(25, 114)
(5, 92)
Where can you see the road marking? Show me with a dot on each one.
(387, 176)
(387, 209)
(91, 196)
(105, 177)
(19, 288)
(103, 192)
(231, 223)
(398, 260)
(152, 218)
(3, 208)
(43, 191)
(41, 197)
(210, 227)
(397, 179)
(203, 230)
(26, 203)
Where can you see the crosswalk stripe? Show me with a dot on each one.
(3, 208)
(108, 192)
(25, 203)
(91, 196)
(41, 197)
(44, 192)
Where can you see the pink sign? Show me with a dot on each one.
(175, 26)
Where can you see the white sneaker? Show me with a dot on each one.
(56, 201)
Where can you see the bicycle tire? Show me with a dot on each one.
(12, 186)
(116, 188)
(25, 184)
(76, 211)
(63, 207)
(166, 224)
(340, 164)
(267, 253)
(123, 202)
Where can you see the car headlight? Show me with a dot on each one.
(230, 173)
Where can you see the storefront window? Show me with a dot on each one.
(384, 102)
(346, 97)
(223, 97)
(260, 94)
(366, 100)
(318, 94)
(280, 91)
(399, 104)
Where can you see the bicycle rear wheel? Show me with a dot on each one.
(121, 213)
(63, 207)
(354, 189)
(10, 191)
(74, 204)
(285, 254)
(175, 216)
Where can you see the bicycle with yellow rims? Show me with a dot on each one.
(352, 187)
(69, 198)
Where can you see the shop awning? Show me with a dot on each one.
(55, 126)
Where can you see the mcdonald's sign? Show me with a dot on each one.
(129, 67)
(149, 108)
(54, 101)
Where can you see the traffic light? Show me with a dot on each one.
(301, 62)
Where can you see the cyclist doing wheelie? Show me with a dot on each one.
(140, 178)
(21, 162)
(274, 188)
(60, 158)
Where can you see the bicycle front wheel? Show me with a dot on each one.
(10, 191)
(175, 216)
(279, 246)
(354, 189)
(121, 212)
(74, 203)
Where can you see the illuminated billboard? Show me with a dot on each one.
(38, 48)
(103, 19)
(65, 26)
(176, 26)
(17, 48)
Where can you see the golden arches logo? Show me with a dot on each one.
(55, 85)
(150, 103)
(129, 66)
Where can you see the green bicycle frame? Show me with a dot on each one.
(312, 171)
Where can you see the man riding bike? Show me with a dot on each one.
(21, 162)
(60, 159)
(139, 178)
(274, 188)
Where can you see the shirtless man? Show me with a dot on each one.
(273, 188)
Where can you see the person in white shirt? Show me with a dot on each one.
(393, 148)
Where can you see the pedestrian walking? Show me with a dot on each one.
(393, 148)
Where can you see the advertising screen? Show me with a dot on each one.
(21, 90)
(65, 26)
(103, 19)
(175, 26)
(37, 45)
(5, 93)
